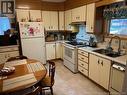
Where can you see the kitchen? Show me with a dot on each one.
(85, 35)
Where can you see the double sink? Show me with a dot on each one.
(107, 53)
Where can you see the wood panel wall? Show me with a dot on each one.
(32, 4)
(69, 4)
(39, 5)
(52, 6)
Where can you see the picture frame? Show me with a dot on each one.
(7, 7)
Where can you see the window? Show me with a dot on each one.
(118, 26)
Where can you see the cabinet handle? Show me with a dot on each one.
(49, 27)
(82, 58)
(102, 63)
(82, 52)
(98, 61)
(5, 56)
(91, 27)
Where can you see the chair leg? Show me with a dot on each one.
(51, 90)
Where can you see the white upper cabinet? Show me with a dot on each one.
(54, 20)
(46, 19)
(35, 15)
(22, 15)
(61, 20)
(68, 19)
(90, 17)
(28, 15)
(79, 14)
(50, 19)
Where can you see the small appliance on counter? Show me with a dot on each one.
(92, 42)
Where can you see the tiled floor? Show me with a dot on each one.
(67, 83)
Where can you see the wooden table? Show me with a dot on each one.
(21, 70)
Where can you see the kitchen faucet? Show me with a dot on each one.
(110, 42)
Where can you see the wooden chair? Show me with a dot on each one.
(36, 91)
(48, 81)
(16, 58)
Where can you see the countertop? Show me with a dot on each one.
(9, 46)
(121, 59)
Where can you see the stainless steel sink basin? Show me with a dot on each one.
(106, 52)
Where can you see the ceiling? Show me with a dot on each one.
(54, 0)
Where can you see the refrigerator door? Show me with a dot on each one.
(31, 29)
(34, 48)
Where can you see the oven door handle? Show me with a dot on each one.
(69, 47)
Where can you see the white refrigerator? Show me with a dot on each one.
(33, 40)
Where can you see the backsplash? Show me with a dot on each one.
(83, 35)
(115, 42)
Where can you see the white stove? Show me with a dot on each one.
(71, 55)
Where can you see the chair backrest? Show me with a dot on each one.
(51, 70)
(16, 58)
(36, 91)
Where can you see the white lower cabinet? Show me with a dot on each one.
(54, 50)
(99, 70)
(58, 50)
(6, 53)
(50, 51)
(83, 63)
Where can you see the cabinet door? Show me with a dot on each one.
(2, 58)
(35, 15)
(61, 20)
(79, 14)
(90, 18)
(58, 50)
(104, 70)
(22, 15)
(68, 19)
(50, 51)
(54, 20)
(93, 68)
(46, 19)
(82, 11)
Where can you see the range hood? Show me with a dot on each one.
(78, 23)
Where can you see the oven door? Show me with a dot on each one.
(69, 53)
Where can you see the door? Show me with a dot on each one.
(90, 16)
(79, 14)
(46, 19)
(53, 20)
(104, 70)
(68, 19)
(50, 51)
(31, 29)
(34, 48)
(58, 50)
(35, 15)
(93, 68)
(22, 15)
(61, 20)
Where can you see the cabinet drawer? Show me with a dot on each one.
(82, 70)
(83, 58)
(83, 53)
(83, 64)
